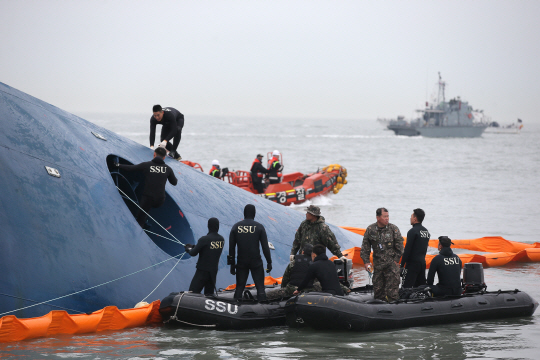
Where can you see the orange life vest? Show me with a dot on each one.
(259, 174)
(212, 171)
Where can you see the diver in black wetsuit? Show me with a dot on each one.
(173, 122)
(209, 247)
(414, 256)
(248, 234)
(447, 265)
(156, 174)
(323, 270)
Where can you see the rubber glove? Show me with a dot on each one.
(233, 270)
(163, 143)
(268, 267)
(291, 258)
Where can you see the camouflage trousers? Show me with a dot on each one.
(288, 291)
(386, 281)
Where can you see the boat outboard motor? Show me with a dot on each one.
(344, 272)
(473, 278)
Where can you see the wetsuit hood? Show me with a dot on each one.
(320, 257)
(249, 211)
(446, 251)
(213, 225)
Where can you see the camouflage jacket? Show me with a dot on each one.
(314, 234)
(387, 244)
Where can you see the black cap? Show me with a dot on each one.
(259, 155)
(445, 241)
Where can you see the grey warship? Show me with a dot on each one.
(441, 118)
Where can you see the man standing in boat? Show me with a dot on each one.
(274, 168)
(209, 247)
(156, 174)
(172, 122)
(414, 256)
(248, 234)
(387, 243)
(314, 231)
(447, 266)
(257, 174)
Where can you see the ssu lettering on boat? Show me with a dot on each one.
(220, 306)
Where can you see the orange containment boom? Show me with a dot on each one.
(489, 244)
(269, 280)
(499, 250)
(60, 322)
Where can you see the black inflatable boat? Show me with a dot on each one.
(360, 312)
(221, 311)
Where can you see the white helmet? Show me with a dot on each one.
(215, 162)
(275, 153)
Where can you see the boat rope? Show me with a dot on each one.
(56, 306)
(90, 288)
(151, 292)
(153, 233)
(181, 243)
(175, 318)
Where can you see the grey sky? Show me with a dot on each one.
(330, 59)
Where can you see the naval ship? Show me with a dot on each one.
(441, 118)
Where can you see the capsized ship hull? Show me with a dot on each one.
(64, 235)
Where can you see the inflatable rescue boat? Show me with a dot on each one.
(359, 311)
(222, 311)
(294, 188)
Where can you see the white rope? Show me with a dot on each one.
(175, 318)
(153, 233)
(149, 215)
(164, 277)
(90, 288)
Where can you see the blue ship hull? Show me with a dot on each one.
(63, 235)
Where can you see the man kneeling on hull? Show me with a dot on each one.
(209, 247)
(323, 270)
(447, 265)
(248, 234)
(294, 274)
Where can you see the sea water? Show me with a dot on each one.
(469, 188)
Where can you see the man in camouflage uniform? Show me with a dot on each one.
(387, 244)
(294, 274)
(314, 231)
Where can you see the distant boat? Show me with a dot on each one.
(441, 118)
(495, 128)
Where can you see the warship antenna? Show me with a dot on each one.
(442, 85)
